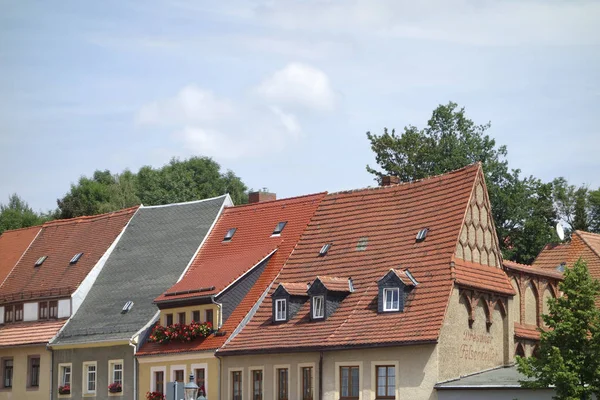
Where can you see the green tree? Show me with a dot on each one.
(17, 214)
(578, 207)
(569, 352)
(594, 202)
(450, 141)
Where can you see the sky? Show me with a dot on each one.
(283, 92)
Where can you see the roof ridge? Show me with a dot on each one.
(89, 218)
(270, 202)
(582, 235)
(395, 185)
(22, 229)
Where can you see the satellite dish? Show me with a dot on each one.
(560, 231)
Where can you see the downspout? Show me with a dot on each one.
(135, 388)
(321, 375)
(52, 386)
(219, 377)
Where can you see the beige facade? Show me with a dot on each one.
(22, 373)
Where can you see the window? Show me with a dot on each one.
(280, 310)
(9, 313)
(200, 374)
(43, 310)
(209, 317)
(349, 383)
(19, 312)
(279, 228)
(75, 258)
(307, 386)
(391, 298)
(179, 375)
(169, 320)
(422, 234)
(40, 261)
(182, 318)
(116, 371)
(65, 375)
(196, 316)
(127, 307)
(324, 249)
(34, 371)
(318, 307)
(386, 382)
(53, 309)
(229, 234)
(159, 380)
(282, 384)
(236, 385)
(257, 384)
(7, 372)
(89, 378)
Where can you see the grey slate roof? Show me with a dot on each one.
(156, 247)
(502, 377)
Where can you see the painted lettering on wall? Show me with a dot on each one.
(478, 347)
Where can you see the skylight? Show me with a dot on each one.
(229, 234)
(362, 243)
(324, 249)
(422, 234)
(75, 258)
(127, 307)
(279, 228)
(40, 261)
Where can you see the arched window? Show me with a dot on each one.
(520, 351)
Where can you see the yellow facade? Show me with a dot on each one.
(189, 310)
(21, 375)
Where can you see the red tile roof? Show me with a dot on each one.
(530, 269)
(403, 276)
(586, 245)
(60, 240)
(482, 277)
(13, 245)
(220, 263)
(390, 218)
(527, 331)
(29, 333)
(335, 284)
(551, 256)
(295, 289)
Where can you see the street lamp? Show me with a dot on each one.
(191, 389)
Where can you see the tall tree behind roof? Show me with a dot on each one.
(17, 214)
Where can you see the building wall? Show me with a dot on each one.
(102, 355)
(469, 346)
(415, 366)
(188, 362)
(188, 310)
(19, 389)
(516, 302)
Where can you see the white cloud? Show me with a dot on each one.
(191, 105)
(299, 84)
(289, 121)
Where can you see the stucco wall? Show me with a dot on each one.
(516, 302)
(465, 349)
(19, 389)
(530, 305)
(189, 310)
(187, 362)
(101, 355)
(416, 371)
(496, 394)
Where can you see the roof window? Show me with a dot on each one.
(422, 234)
(127, 307)
(362, 243)
(40, 261)
(229, 234)
(279, 228)
(75, 258)
(324, 249)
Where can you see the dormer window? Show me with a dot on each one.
(318, 307)
(391, 299)
(280, 310)
(229, 234)
(279, 228)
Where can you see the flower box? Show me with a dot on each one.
(154, 396)
(180, 332)
(65, 389)
(115, 388)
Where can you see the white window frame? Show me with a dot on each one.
(61, 373)
(391, 306)
(203, 366)
(85, 378)
(176, 368)
(315, 310)
(283, 311)
(153, 378)
(111, 375)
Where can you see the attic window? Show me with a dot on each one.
(40, 261)
(422, 234)
(229, 234)
(318, 309)
(127, 307)
(280, 309)
(324, 249)
(391, 298)
(75, 258)
(279, 228)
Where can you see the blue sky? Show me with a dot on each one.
(282, 92)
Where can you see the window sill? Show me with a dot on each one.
(6, 389)
(89, 395)
(116, 394)
(32, 388)
(64, 396)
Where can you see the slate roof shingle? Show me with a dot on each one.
(219, 263)
(155, 249)
(13, 245)
(389, 217)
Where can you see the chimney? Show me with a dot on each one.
(259, 197)
(389, 180)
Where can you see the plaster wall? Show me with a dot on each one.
(465, 349)
(530, 305)
(189, 310)
(19, 388)
(516, 302)
(415, 366)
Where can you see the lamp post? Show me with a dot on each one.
(191, 389)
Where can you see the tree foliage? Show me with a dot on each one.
(179, 181)
(16, 214)
(578, 207)
(569, 352)
(521, 207)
